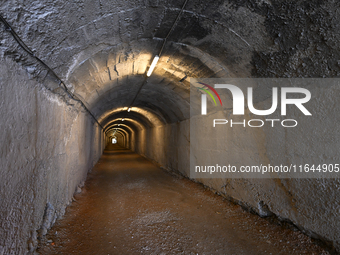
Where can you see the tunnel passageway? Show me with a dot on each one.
(76, 75)
(130, 206)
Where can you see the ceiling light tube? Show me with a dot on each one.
(122, 119)
(153, 65)
(129, 109)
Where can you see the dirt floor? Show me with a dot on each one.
(130, 206)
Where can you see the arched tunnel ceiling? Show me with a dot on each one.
(117, 133)
(124, 129)
(127, 121)
(148, 117)
(111, 77)
(114, 131)
(103, 48)
(107, 81)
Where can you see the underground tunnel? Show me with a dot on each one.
(87, 110)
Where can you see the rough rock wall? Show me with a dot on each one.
(47, 148)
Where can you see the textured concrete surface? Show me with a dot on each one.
(47, 149)
(101, 50)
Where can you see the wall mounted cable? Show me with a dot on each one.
(16, 37)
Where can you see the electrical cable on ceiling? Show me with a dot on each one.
(161, 50)
(172, 28)
(64, 87)
(9, 28)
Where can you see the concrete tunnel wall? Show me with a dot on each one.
(47, 148)
(101, 49)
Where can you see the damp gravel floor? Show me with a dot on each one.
(130, 206)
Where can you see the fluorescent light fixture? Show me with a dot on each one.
(122, 119)
(129, 109)
(153, 65)
(118, 125)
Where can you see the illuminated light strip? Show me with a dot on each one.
(153, 65)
